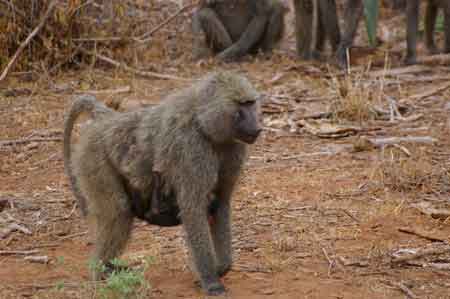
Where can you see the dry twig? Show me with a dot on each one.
(132, 70)
(145, 37)
(28, 140)
(41, 259)
(28, 39)
(404, 289)
(419, 234)
(18, 252)
(380, 142)
(428, 93)
(421, 253)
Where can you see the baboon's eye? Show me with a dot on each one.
(247, 103)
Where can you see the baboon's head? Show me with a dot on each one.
(229, 109)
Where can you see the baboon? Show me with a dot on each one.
(190, 149)
(159, 209)
(327, 27)
(81, 104)
(234, 28)
(412, 11)
(353, 12)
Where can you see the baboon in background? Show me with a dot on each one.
(234, 28)
(327, 27)
(353, 12)
(412, 10)
(195, 141)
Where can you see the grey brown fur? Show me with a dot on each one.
(82, 104)
(196, 140)
(353, 12)
(412, 10)
(234, 28)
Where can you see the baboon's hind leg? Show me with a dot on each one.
(447, 27)
(112, 217)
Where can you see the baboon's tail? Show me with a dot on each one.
(83, 103)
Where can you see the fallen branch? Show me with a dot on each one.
(117, 90)
(133, 70)
(72, 236)
(12, 228)
(421, 253)
(317, 115)
(250, 269)
(28, 40)
(18, 252)
(41, 259)
(404, 289)
(428, 93)
(419, 234)
(28, 140)
(380, 142)
(440, 59)
(400, 71)
(145, 37)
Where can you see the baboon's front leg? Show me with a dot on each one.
(198, 237)
(221, 235)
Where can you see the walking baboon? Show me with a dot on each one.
(234, 28)
(327, 27)
(194, 142)
(88, 104)
(412, 9)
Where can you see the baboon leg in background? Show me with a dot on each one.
(430, 24)
(447, 26)
(304, 14)
(329, 23)
(353, 12)
(412, 23)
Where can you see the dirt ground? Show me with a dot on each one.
(313, 217)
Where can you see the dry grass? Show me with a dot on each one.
(106, 26)
(416, 173)
(355, 99)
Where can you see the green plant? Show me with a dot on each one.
(440, 23)
(371, 17)
(123, 283)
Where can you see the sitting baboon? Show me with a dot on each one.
(412, 9)
(186, 152)
(234, 28)
(327, 27)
